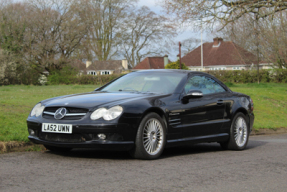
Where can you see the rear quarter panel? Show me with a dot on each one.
(235, 103)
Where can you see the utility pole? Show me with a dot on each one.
(179, 45)
(201, 49)
(257, 43)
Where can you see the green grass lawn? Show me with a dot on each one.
(270, 103)
(16, 102)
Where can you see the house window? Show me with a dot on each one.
(105, 72)
(92, 73)
(236, 68)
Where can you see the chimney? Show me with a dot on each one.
(165, 60)
(217, 41)
(125, 64)
(88, 63)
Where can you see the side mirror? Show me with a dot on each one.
(193, 94)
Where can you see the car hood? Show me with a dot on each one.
(94, 99)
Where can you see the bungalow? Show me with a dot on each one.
(101, 67)
(222, 55)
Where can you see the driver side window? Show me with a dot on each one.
(204, 84)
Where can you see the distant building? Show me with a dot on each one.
(222, 55)
(101, 67)
(152, 63)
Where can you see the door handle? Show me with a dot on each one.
(220, 102)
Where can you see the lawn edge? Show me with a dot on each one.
(16, 146)
(265, 131)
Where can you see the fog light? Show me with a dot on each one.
(31, 132)
(102, 136)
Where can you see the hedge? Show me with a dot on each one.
(56, 79)
(250, 76)
(68, 76)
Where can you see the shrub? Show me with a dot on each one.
(19, 74)
(176, 65)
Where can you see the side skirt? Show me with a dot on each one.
(199, 139)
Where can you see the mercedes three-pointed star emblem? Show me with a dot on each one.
(60, 113)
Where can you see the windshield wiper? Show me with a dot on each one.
(128, 89)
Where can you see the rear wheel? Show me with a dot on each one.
(150, 138)
(239, 133)
(57, 149)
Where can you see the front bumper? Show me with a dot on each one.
(119, 136)
(106, 145)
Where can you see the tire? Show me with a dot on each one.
(150, 139)
(239, 133)
(57, 149)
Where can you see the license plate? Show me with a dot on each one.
(57, 128)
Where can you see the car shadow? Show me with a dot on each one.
(203, 148)
(94, 154)
(167, 153)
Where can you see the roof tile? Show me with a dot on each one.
(227, 53)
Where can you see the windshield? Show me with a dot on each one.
(163, 83)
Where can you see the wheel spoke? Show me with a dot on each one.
(152, 136)
(240, 132)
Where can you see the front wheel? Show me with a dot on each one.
(239, 133)
(150, 138)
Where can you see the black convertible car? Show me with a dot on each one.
(144, 112)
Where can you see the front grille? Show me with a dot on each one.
(72, 113)
(70, 109)
(46, 116)
(66, 138)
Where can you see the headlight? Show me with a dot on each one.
(37, 110)
(99, 113)
(107, 114)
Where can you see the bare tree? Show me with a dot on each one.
(12, 26)
(104, 18)
(271, 39)
(274, 39)
(12, 31)
(146, 34)
(190, 44)
(54, 31)
(223, 11)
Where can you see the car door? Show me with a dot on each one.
(203, 115)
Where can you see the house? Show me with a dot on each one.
(152, 63)
(101, 67)
(222, 55)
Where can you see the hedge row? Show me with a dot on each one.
(250, 76)
(68, 76)
(236, 76)
(80, 79)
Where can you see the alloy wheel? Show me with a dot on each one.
(153, 136)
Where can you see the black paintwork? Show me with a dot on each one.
(189, 120)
